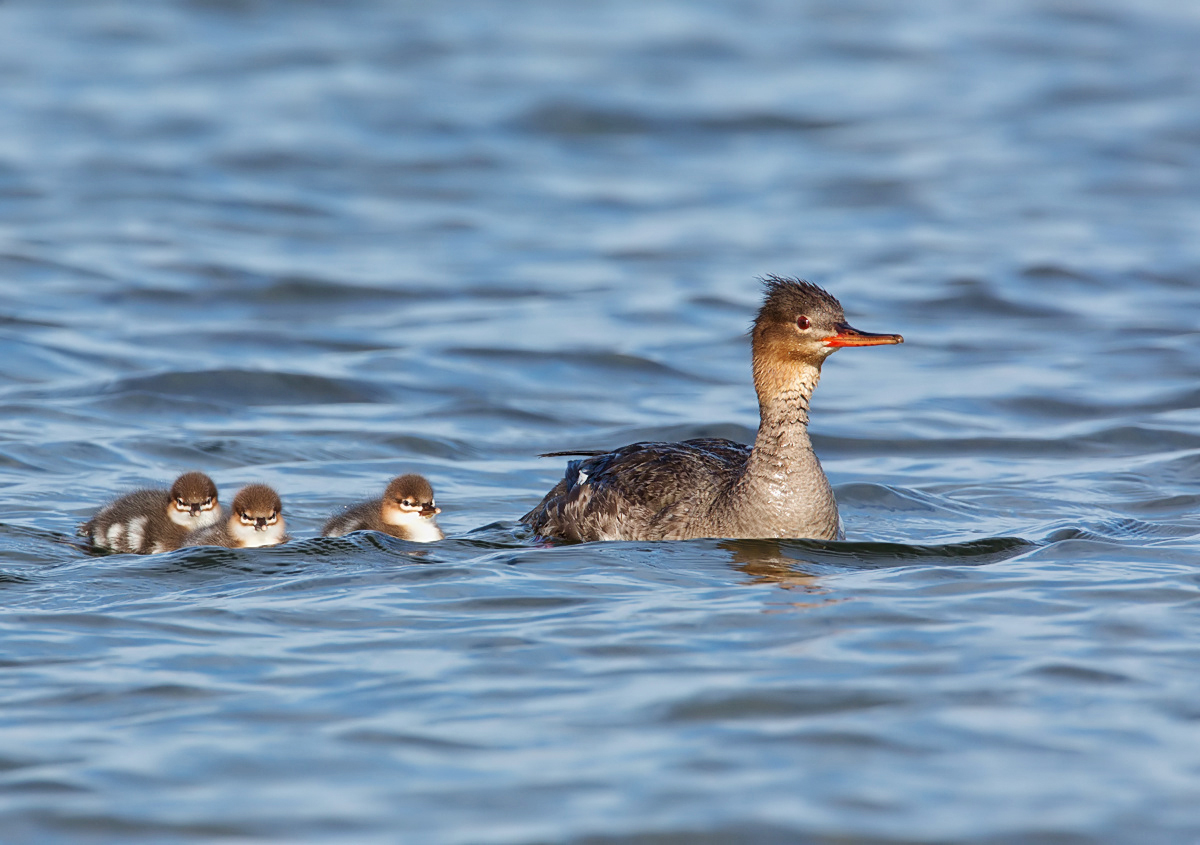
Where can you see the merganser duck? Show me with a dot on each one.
(406, 511)
(155, 520)
(256, 520)
(712, 487)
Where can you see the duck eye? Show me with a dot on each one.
(803, 322)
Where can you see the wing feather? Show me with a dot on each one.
(644, 491)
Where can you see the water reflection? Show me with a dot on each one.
(311, 244)
(765, 562)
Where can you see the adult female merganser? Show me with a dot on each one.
(155, 520)
(256, 520)
(405, 511)
(712, 487)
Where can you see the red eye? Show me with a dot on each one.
(802, 322)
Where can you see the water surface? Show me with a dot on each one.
(320, 245)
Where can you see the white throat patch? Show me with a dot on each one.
(419, 529)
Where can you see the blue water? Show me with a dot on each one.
(318, 245)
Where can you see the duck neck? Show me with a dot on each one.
(783, 492)
(782, 446)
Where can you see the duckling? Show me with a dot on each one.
(256, 520)
(155, 520)
(406, 511)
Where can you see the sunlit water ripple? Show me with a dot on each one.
(319, 245)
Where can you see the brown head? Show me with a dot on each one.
(258, 507)
(408, 495)
(194, 500)
(797, 328)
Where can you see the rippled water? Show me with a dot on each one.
(317, 245)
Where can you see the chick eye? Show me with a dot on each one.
(803, 322)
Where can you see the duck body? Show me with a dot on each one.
(150, 521)
(712, 487)
(648, 491)
(681, 491)
(136, 523)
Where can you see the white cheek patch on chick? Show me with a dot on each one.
(179, 514)
(400, 515)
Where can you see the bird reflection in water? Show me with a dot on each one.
(766, 562)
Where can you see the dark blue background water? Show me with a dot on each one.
(317, 245)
